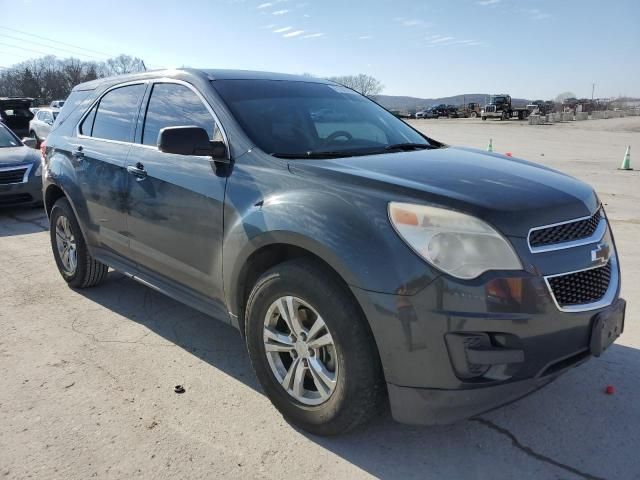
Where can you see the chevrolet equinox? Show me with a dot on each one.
(364, 263)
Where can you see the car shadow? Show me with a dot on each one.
(22, 221)
(566, 428)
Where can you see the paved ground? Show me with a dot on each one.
(87, 377)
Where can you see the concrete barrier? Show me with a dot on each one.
(549, 118)
(534, 120)
(597, 115)
(566, 116)
(582, 116)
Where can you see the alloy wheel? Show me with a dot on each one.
(300, 350)
(66, 243)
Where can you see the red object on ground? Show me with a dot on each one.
(508, 154)
(609, 390)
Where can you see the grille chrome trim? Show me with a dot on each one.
(606, 300)
(25, 177)
(596, 236)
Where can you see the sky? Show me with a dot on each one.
(429, 48)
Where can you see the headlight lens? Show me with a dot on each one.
(458, 244)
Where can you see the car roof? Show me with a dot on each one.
(205, 74)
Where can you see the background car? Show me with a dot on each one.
(40, 125)
(20, 170)
(57, 104)
(15, 114)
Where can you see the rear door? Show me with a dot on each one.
(175, 208)
(105, 136)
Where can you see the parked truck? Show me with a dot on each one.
(500, 106)
(471, 109)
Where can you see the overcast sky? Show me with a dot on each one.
(528, 48)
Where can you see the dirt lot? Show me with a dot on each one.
(88, 376)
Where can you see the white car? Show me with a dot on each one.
(57, 104)
(40, 125)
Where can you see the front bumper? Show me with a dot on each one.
(27, 193)
(424, 384)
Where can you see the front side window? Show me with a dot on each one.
(173, 105)
(301, 119)
(116, 114)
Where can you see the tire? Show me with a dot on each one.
(473, 114)
(358, 388)
(85, 271)
(484, 118)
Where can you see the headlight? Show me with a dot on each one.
(458, 244)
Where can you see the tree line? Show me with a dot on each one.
(51, 78)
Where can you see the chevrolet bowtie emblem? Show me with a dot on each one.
(600, 254)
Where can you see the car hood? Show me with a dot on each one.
(512, 194)
(18, 155)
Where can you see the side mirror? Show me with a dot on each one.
(190, 141)
(30, 142)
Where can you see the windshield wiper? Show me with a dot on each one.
(336, 154)
(408, 146)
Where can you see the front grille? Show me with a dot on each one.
(581, 288)
(12, 176)
(15, 198)
(490, 108)
(566, 232)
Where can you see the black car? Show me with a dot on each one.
(16, 114)
(20, 170)
(360, 259)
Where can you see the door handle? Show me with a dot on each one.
(137, 171)
(78, 154)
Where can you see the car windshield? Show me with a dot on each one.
(7, 139)
(297, 119)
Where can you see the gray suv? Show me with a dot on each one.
(363, 262)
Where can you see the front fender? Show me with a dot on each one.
(350, 232)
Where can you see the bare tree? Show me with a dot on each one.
(49, 78)
(124, 64)
(364, 84)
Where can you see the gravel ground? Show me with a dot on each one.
(88, 375)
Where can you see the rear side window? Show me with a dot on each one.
(173, 105)
(117, 112)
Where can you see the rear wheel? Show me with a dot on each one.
(473, 115)
(311, 349)
(76, 265)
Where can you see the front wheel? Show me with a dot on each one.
(473, 115)
(311, 349)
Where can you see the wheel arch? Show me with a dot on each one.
(272, 251)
